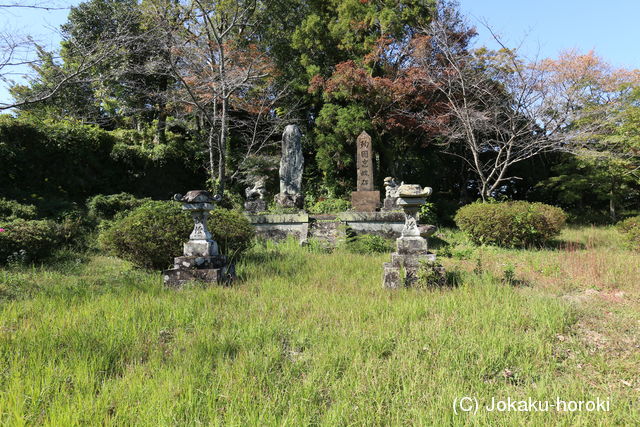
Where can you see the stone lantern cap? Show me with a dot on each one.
(413, 191)
(197, 200)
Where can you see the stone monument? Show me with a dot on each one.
(391, 194)
(201, 259)
(411, 248)
(365, 199)
(291, 166)
(255, 202)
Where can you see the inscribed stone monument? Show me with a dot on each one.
(291, 167)
(365, 199)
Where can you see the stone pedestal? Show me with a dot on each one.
(255, 206)
(201, 259)
(412, 250)
(365, 201)
(286, 200)
(389, 204)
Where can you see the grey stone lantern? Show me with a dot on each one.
(412, 248)
(201, 258)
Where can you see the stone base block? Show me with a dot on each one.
(177, 277)
(411, 261)
(414, 245)
(365, 201)
(216, 261)
(200, 248)
(389, 204)
(391, 276)
(255, 206)
(289, 200)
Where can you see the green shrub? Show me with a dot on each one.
(107, 206)
(232, 230)
(368, 244)
(630, 228)
(28, 240)
(329, 206)
(510, 224)
(428, 214)
(10, 210)
(152, 235)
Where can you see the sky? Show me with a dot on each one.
(542, 28)
(547, 27)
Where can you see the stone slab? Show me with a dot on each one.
(200, 248)
(217, 261)
(278, 218)
(412, 246)
(365, 201)
(177, 277)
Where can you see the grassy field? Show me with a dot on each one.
(308, 337)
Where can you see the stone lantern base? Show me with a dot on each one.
(410, 256)
(213, 268)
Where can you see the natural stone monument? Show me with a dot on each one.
(201, 259)
(412, 250)
(391, 194)
(291, 166)
(255, 202)
(365, 199)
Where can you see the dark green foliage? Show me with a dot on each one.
(55, 165)
(369, 244)
(107, 206)
(428, 214)
(10, 210)
(29, 240)
(630, 227)
(329, 206)
(510, 224)
(232, 230)
(151, 235)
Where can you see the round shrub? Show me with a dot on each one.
(10, 210)
(152, 235)
(106, 207)
(510, 224)
(630, 228)
(31, 240)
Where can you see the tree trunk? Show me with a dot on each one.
(612, 206)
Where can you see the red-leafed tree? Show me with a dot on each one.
(225, 80)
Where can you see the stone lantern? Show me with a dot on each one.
(412, 248)
(201, 258)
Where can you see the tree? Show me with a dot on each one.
(222, 73)
(604, 136)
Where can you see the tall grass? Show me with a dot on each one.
(304, 338)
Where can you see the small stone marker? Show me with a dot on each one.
(365, 199)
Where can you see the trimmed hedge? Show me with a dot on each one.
(151, 235)
(510, 224)
(630, 228)
(106, 207)
(28, 240)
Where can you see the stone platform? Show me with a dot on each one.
(302, 226)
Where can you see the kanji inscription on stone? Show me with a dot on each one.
(365, 162)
